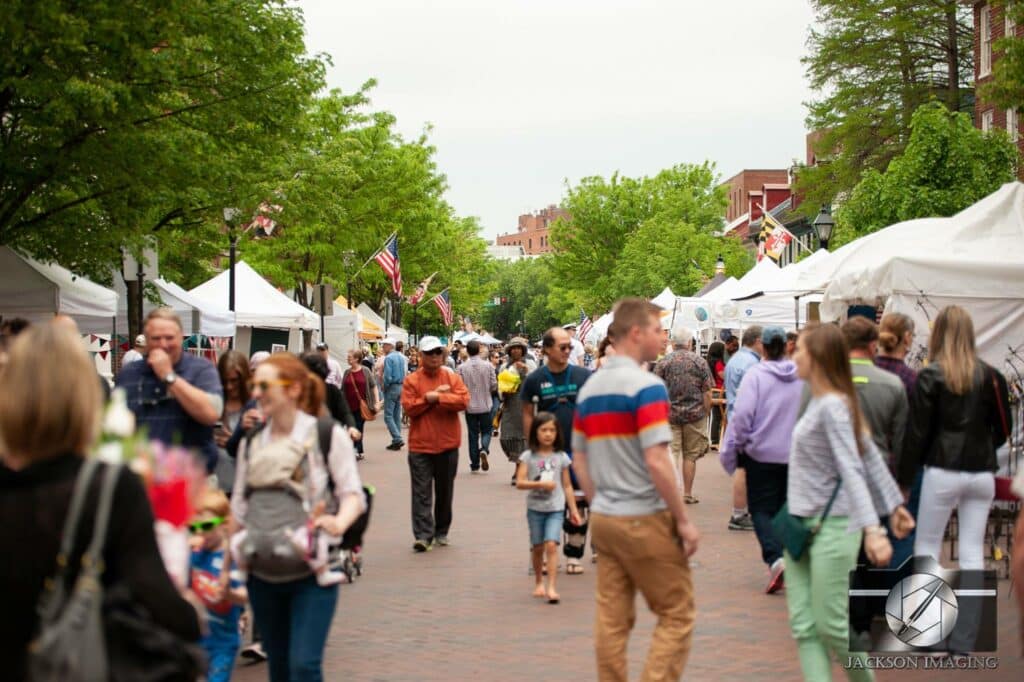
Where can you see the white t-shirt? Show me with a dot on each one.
(131, 356)
(577, 352)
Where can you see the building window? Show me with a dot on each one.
(1012, 124)
(985, 62)
(986, 120)
(1010, 25)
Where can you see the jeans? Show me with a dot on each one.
(222, 663)
(766, 493)
(294, 619)
(972, 494)
(545, 526)
(642, 552)
(393, 412)
(361, 427)
(432, 476)
(817, 599)
(479, 428)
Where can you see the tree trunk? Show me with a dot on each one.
(953, 57)
(134, 322)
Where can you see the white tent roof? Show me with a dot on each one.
(723, 291)
(37, 291)
(759, 277)
(665, 300)
(257, 302)
(978, 253)
(394, 331)
(197, 316)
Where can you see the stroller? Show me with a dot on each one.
(348, 557)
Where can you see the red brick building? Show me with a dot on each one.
(534, 230)
(739, 187)
(990, 24)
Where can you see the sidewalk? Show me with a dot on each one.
(464, 612)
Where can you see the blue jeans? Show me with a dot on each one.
(479, 428)
(904, 549)
(294, 619)
(361, 427)
(393, 411)
(222, 663)
(766, 493)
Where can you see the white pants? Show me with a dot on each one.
(972, 494)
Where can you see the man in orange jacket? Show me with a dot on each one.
(433, 396)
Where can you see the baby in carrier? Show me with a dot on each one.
(279, 542)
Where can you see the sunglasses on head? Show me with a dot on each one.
(265, 385)
(206, 526)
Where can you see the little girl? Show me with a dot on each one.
(544, 471)
(210, 577)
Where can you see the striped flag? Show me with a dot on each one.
(387, 258)
(444, 303)
(584, 327)
(421, 290)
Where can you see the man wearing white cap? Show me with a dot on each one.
(394, 375)
(433, 396)
(577, 352)
(135, 353)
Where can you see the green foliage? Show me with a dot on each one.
(947, 166)
(634, 236)
(876, 62)
(1006, 87)
(532, 296)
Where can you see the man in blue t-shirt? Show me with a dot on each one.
(553, 388)
(175, 395)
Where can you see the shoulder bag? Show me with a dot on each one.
(791, 531)
(364, 408)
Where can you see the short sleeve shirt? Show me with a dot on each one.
(165, 419)
(687, 378)
(556, 392)
(548, 468)
(222, 616)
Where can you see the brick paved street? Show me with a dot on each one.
(465, 612)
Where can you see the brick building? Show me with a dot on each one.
(740, 186)
(990, 24)
(533, 231)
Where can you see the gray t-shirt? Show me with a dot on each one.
(547, 468)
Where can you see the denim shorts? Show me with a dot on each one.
(545, 526)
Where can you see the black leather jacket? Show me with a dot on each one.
(957, 432)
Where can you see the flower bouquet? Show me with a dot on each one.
(173, 477)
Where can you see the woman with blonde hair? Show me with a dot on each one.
(839, 484)
(959, 416)
(49, 419)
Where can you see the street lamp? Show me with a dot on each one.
(823, 226)
(720, 265)
(229, 216)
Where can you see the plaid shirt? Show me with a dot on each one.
(898, 367)
(688, 378)
(481, 380)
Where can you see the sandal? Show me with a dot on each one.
(690, 499)
(574, 568)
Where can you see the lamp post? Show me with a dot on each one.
(347, 257)
(720, 265)
(823, 226)
(229, 216)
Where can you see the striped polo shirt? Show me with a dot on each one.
(621, 411)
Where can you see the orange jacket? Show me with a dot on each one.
(434, 427)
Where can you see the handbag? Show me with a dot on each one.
(97, 634)
(791, 531)
(1004, 484)
(365, 410)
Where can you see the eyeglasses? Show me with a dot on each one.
(564, 347)
(206, 526)
(265, 385)
(436, 351)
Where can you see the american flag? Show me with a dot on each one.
(421, 290)
(444, 303)
(387, 258)
(584, 327)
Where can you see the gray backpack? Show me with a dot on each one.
(278, 503)
(71, 644)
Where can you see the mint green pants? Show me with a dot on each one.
(816, 594)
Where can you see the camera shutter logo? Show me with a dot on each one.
(921, 610)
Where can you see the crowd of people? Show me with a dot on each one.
(826, 432)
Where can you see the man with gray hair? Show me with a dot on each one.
(689, 383)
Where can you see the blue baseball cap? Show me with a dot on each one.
(771, 333)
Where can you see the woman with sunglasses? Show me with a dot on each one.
(233, 368)
(294, 616)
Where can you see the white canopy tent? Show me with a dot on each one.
(258, 305)
(395, 332)
(974, 259)
(665, 300)
(341, 332)
(197, 316)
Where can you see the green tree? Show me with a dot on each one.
(877, 61)
(947, 166)
(531, 295)
(1006, 87)
(605, 214)
(121, 119)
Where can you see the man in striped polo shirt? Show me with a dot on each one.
(621, 439)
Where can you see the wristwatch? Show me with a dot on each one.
(170, 378)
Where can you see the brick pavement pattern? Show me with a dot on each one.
(464, 612)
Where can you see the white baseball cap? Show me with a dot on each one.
(388, 341)
(429, 343)
(140, 340)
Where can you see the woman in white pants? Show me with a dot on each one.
(958, 418)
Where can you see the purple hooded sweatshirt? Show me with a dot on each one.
(764, 416)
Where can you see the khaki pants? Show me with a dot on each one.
(641, 552)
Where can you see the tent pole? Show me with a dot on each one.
(796, 311)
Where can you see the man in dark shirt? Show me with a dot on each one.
(553, 388)
(175, 395)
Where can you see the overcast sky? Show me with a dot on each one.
(526, 94)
